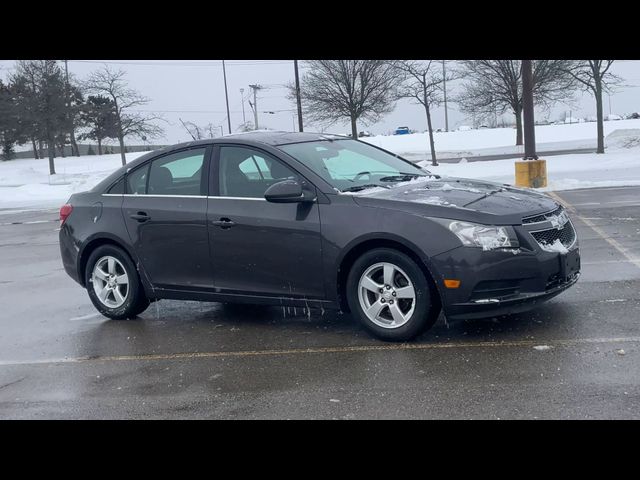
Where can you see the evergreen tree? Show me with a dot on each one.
(98, 115)
(42, 101)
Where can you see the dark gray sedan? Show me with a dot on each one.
(312, 220)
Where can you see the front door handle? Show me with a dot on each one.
(140, 217)
(223, 223)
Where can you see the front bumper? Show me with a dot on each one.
(499, 282)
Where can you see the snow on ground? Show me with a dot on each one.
(620, 166)
(26, 183)
(493, 141)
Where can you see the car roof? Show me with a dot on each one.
(268, 137)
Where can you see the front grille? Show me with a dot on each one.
(566, 234)
(543, 217)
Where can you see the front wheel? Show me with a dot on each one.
(390, 295)
(113, 283)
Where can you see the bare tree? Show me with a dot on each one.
(495, 86)
(595, 77)
(198, 132)
(333, 90)
(422, 82)
(111, 84)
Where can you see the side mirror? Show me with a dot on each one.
(286, 191)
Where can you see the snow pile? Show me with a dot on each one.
(366, 191)
(556, 246)
(617, 167)
(433, 201)
(489, 141)
(26, 182)
(623, 139)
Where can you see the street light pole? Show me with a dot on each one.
(298, 100)
(531, 172)
(528, 115)
(226, 94)
(444, 85)
(244, 120)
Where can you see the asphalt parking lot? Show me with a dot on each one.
(575, 357)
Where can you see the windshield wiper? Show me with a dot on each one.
(357, 188)
(404, 177)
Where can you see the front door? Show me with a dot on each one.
(165, 210)
(259, 247)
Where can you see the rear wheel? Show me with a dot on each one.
(113, 283)
(390, 295)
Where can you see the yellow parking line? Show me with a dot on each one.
(630, 256)
(322, 350)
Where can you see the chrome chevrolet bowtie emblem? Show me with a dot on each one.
(558, 221)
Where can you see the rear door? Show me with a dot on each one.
(259, 247)
(165, 210)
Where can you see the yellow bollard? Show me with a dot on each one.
(531, 173)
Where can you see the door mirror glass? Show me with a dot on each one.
(287, 191)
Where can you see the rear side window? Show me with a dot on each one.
(177, 174)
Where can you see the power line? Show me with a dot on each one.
(165, 63)
(184, 111)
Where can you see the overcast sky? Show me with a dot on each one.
(193, 90)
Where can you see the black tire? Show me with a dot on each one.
(426, 309)
(136, 301)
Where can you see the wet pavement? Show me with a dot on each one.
(577, 356)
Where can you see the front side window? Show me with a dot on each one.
(350, 164)
(175, 174)
(248, 173)
(137, 181)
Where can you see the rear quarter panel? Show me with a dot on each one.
(95, 218)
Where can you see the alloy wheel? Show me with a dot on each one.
(110, 282)
(386, 295)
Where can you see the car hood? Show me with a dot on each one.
(460, 199)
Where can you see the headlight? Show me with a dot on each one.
(488, 237)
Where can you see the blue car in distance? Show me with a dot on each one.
(402, 131)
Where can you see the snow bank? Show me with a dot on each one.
(26, 183)
(488, 141)
(618, 167)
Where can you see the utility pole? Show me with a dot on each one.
(244, 120)
(444, 85)
(226, 94)
(299, 101)
(255, 89)
(528, 115)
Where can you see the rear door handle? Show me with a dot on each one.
(223, 223)
(140, 217)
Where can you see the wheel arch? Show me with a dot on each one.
(97, 241)
(370, 242)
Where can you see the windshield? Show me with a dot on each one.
(349, 165)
